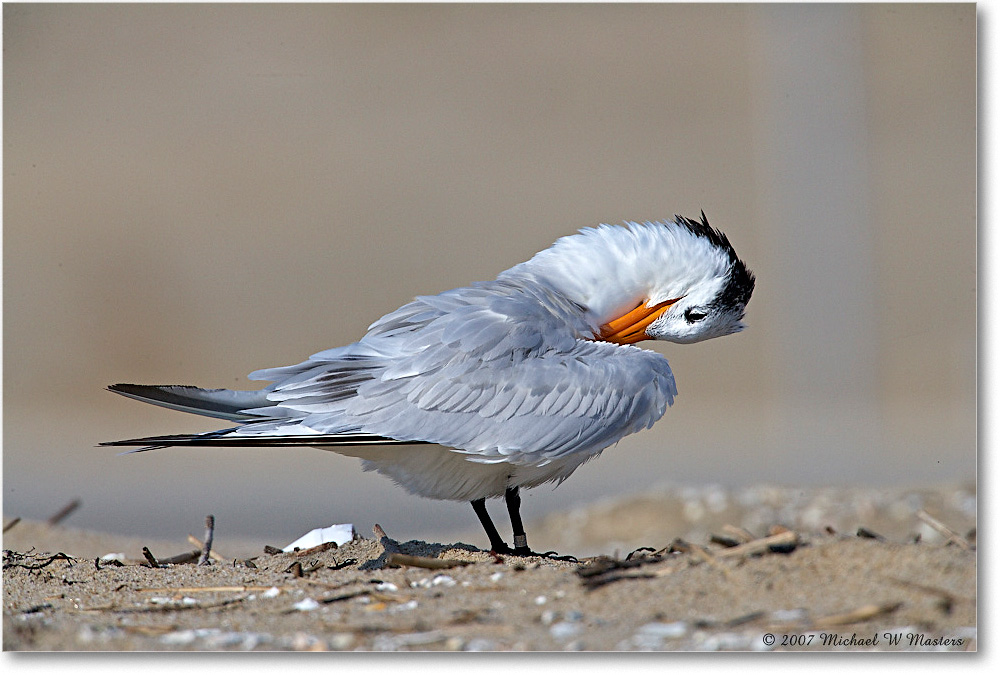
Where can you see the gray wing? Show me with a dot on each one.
(498, 371)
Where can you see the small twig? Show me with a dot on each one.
(946, 599)
(346, 596)
(51, 559)
(195, 541)
(320, 548)
(11, 524)
(641, 549)
(150, 558)
(704, 554)
(781, 541)
(865, 533)
(738, 533)
(161, 608)
(726, 541)
(206, 589)
(209, 536)
(427, 563)
(63, 513)
(947, 532)
(180, 558)
(603, 570)
(604, 564)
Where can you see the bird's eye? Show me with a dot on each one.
(692, 315)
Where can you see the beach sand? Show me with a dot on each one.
(859, 569)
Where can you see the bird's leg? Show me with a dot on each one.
(513, 500)
(497, 544)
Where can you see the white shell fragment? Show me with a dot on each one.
(339, 534)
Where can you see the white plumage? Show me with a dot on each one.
(506, 384)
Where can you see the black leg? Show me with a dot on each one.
(513, 500)
(496, 541)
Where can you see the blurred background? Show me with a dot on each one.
(195, 192)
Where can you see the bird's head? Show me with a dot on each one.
(679, 280)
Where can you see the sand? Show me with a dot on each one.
(910, 588)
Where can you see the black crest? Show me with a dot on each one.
(740, 281)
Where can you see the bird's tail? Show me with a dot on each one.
(234, 406)
(226, 404)
(225, 438)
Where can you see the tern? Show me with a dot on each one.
(478, 392)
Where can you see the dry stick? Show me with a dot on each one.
(195, 541)
(865, 533)
(11, 524)
(946, 598)
(210, 589)
(209, 535)
(150, 558)
(63, 513)
(709, 557)
(319, 548)
(160, 608)
(738, 533)
(190, 556)
(759, 545)
(948, 533)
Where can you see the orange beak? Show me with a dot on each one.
(631, 328)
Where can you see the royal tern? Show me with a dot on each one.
(479, 391)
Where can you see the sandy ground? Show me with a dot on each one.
(907, 582)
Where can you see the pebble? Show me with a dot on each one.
(341, 641)
(391, 643)
(651, 635)
(88, 634)
(304, 642)
(438, 580)
(789, 615)
(480, 645)
(565, 630)
(673, 629)
(729, 642)
(454, 644)
(215, 638)
(307, 605)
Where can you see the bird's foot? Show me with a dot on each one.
(525, 552)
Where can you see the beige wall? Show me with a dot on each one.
(194, 192)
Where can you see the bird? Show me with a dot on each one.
(481, 391)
